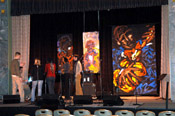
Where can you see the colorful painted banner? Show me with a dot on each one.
(64, 49)
(91, 52)
(134, 59)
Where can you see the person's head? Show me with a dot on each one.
(124, 37)
(37, 62)
(90, 44)
(75, 57)
(17, 55)
(65, 59)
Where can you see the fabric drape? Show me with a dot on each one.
(25, 7)
(21, 40)
(46, 27)
(165, 68)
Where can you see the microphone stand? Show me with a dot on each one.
(83, 75)
(45, 86)
(101, 87)
(136, 90)
(136, 96)
(61, 93)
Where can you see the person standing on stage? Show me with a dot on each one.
(16, 76)
(50, 69)
(66, 76)
(77, 73)
(37, 74)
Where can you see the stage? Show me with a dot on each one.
(146, 103)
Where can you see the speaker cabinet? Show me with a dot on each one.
(89, 89)
(112, 100)
(49, 100)
(83, 99)
(9, 99)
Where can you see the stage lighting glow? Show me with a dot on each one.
(29, 79)
(69, 48)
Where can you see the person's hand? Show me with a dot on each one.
(21, 79)
(24, 80)
(149, 35)
(22, 64)
(133, 56)
(62, 71)
(128, 77)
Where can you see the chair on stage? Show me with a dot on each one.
(22, 115)
(145, 113)
(81, 112)
(167, 113)
(124, 113)
(103, 112)
(59, 112)
(43, 112)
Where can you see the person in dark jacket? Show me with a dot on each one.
(37, 78)
(66, 77)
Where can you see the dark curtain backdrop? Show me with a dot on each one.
(46, 27)
(25, 7)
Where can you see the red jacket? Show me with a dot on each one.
(50, 70)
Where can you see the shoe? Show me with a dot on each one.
(32, 103)
(27, 100)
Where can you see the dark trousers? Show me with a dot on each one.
(51, 84)
(65, 85)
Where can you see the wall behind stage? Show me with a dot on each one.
(46, 27)
(4, 39)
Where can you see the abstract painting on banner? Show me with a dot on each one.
(91, 52)
(64, 50)
(134, 59)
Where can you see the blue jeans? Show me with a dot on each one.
(34, 83)
(51, 84)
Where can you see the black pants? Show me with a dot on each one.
(65, 85)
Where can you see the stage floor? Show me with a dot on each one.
(146, 103)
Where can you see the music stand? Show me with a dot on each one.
(136, 96)
(161, 77)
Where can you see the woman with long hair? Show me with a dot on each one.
(37, 74)
(50, 69)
